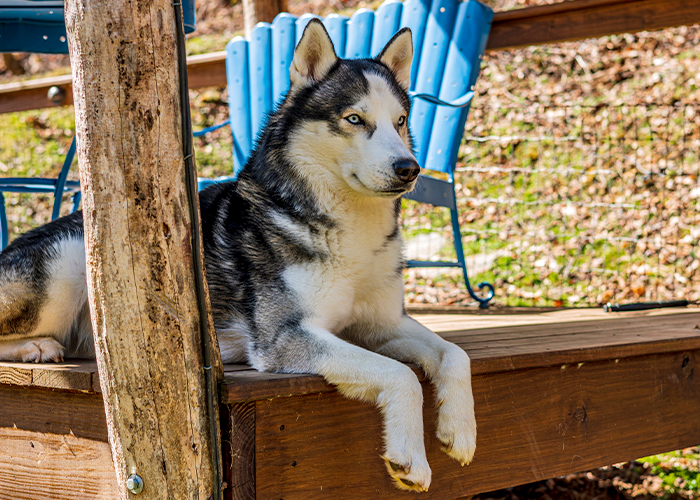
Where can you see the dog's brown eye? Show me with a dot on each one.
(402, 121)
(354, 119)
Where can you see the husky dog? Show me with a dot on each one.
(303, 257)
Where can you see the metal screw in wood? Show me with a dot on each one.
(56, 95)
(134, 484)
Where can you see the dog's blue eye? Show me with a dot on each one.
(354, 119)
(402, 121)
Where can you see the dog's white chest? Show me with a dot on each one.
(359, 275)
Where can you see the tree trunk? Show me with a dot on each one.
(261, 11)
(138, 241)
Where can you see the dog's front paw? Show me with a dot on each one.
(456, 429)
(41, 351)
(410, 475)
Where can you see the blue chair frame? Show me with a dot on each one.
(57, 187)
(39, 26)
(449, 39)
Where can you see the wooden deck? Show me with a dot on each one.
(556, 392)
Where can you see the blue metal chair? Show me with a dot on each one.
(449, 39)
(38, 26)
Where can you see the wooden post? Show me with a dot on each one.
(138, 241)
(261, 11)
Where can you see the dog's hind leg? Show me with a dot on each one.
(363, 375)
(449, 368)
(34, 350)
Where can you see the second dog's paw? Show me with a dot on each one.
(413, 476)
(42, 350)
(456, 430)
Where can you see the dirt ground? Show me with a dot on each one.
(632, 480)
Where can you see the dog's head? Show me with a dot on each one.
(353, 114)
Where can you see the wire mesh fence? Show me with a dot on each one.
(575, 205)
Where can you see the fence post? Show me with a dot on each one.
(257, 11)
(138, 240)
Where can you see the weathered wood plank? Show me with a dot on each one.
(533, 424)
(63, 379)
(55, 412)
(204, 70)
(529, 340)
(578, 19)
(15, 375)
(33, 94)
(471, 319)
(514, 348)
(44, 466)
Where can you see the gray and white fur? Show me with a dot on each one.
(303, 256)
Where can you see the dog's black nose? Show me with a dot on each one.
(407, 170)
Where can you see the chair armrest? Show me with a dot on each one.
(199, 133)
(460, 102)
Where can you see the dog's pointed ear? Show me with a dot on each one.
(313, 57)
(397, 55)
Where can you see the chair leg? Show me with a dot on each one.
(61, 181)
(4, 233)
(483, 301)
(76, 202)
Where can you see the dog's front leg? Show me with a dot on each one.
(449, 368)
(367, 376)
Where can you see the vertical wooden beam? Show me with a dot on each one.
(138, 241)
(261, 11)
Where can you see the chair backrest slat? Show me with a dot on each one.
(359, 33)
(337, 29)
(239, 100)
(460, 74)
(387, 20)
(415, 16)
(449, 37)
(260, 65)
(283, 44)
(438, 31)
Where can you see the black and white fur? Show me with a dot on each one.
(303, 255)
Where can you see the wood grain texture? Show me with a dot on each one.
(533, 424)
(204, 70)
(44, 466)
(578, 19)
(138, 245)
(15, 375)
(33, 94)
(73, 374)
(242, 472)
(55, 412)
(63, 379)
(512, 348)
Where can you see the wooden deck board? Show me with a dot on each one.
(494, 342)
(532, 424)
(555, 392)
